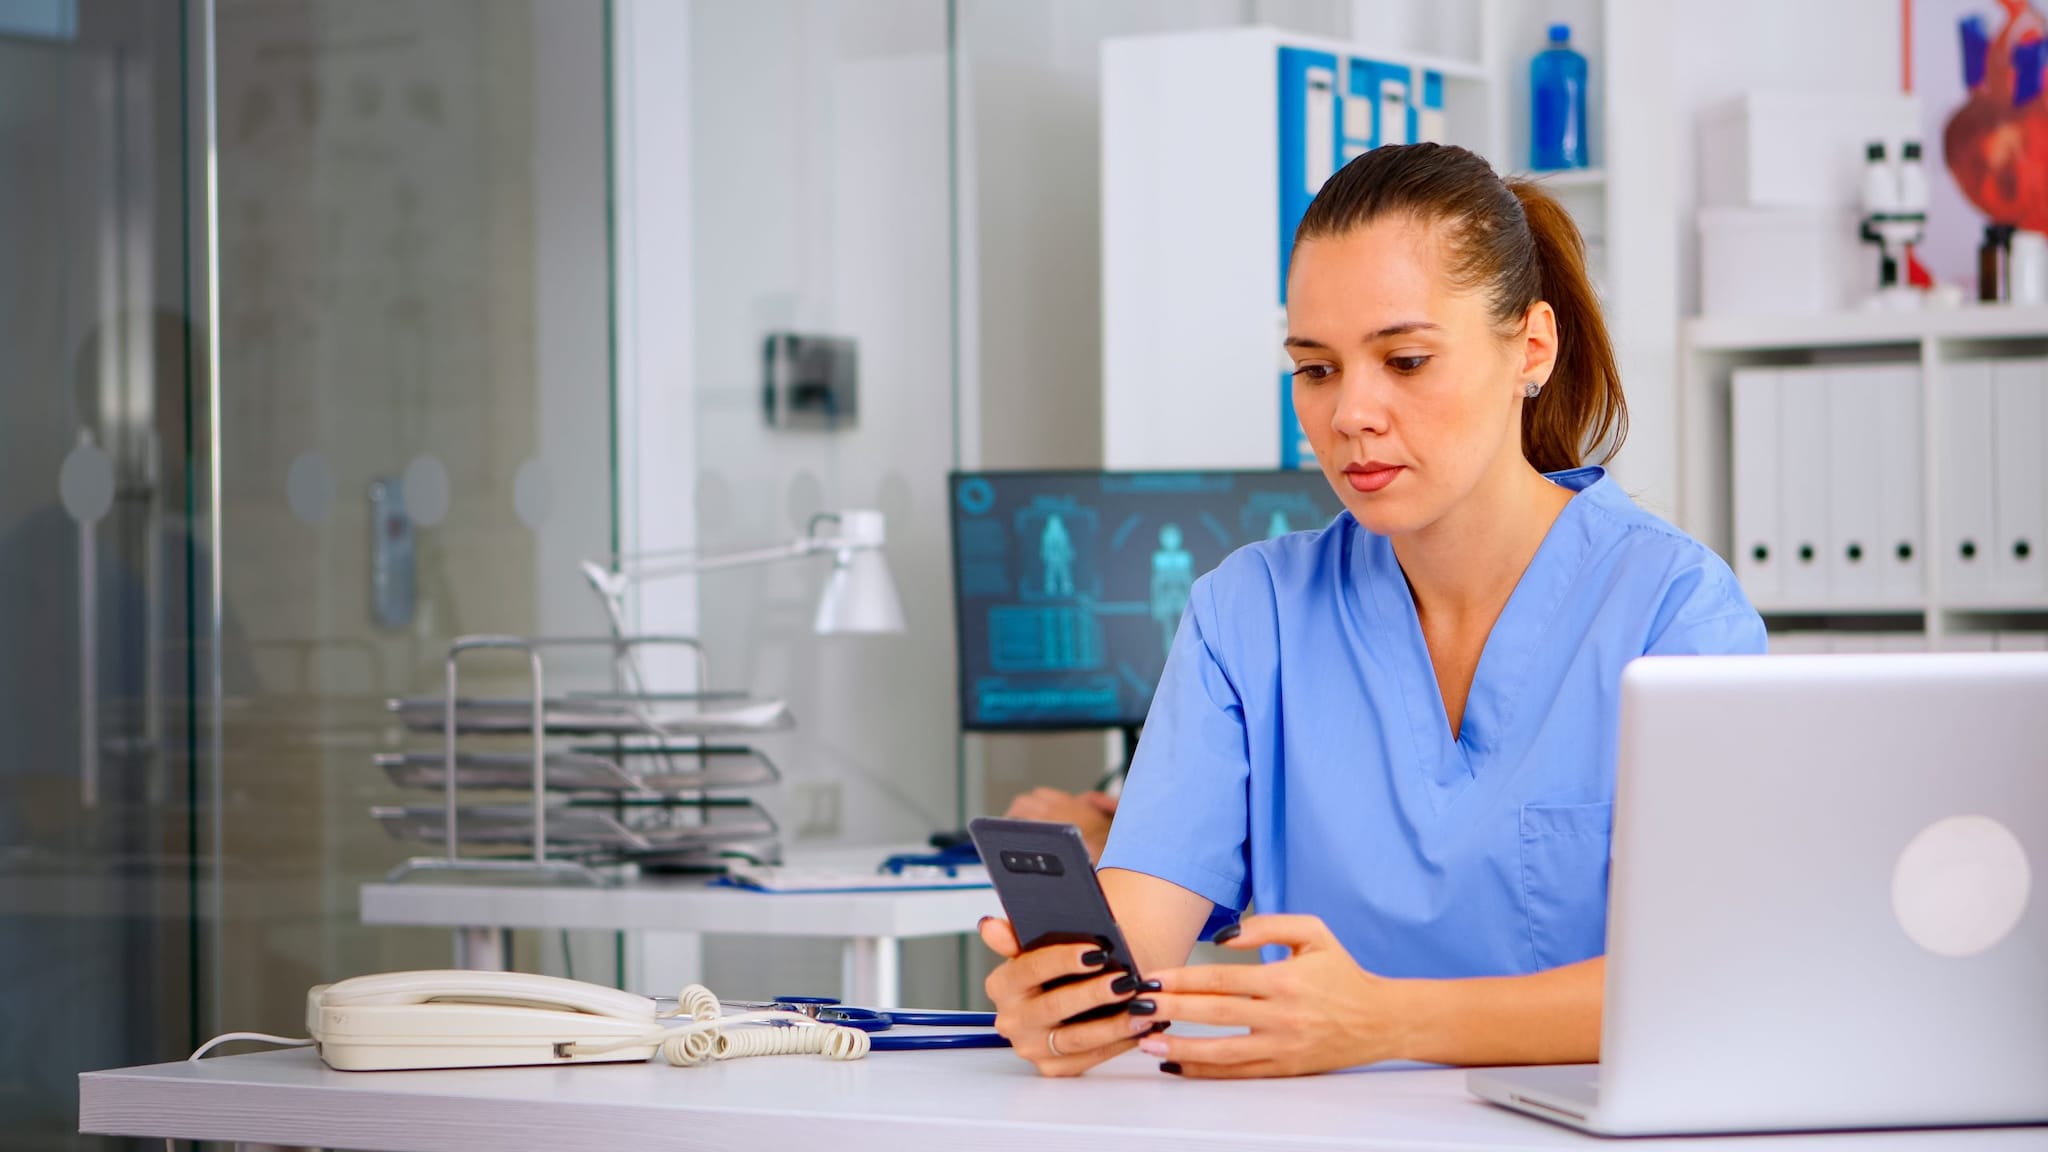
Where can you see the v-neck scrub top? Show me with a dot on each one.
(1298, 758)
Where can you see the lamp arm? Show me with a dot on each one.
(804, 547)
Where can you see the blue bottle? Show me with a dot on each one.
(1557, 90)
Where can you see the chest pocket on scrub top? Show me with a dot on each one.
(1564, 880)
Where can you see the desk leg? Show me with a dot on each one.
(662, 963)
(484, 949)
(869, 973)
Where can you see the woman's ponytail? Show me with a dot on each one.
(1581, 410)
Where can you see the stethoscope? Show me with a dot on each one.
(878, 1024)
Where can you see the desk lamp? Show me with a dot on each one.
(859, 596)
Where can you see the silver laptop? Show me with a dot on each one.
(1828, 906)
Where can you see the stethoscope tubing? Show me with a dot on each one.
(878, 1024)
(905, 1042)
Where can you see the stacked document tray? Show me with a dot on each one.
(683, 834)
(609, 777)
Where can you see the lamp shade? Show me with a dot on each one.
(860, 597)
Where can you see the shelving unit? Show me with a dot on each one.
(1510, 33)
(1714, 347)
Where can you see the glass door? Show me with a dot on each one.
(99, 561)
(304, 371)
(415, 417)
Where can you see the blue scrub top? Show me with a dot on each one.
(1298, 757)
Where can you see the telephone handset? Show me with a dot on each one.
(463, 1019)
(459, 1019)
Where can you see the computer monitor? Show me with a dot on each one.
(1068, 586)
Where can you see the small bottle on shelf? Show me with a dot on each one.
(1994, 259)
(1557, 99)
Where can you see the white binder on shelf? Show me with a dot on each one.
(2019, 409)
(1803, 486)
(1855, 570)
(1758, 555)
(1901, 487)
(1966, 483)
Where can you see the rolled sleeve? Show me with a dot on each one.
(1183, 813)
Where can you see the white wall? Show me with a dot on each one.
(817, 142)
(1719, 51)
(1673, 61)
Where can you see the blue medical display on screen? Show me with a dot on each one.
(1069, 586)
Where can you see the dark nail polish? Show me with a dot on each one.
(1156, 1029)
(1141, 1007)
(1227, 933)
(1095, 959)
(1170, 1067)
(1124, 985)
(1151, 986)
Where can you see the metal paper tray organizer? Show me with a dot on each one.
(613, 777)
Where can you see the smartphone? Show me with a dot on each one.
(1042, 875)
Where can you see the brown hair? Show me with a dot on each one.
(1515, 242)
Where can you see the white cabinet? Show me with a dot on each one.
(1931, 450)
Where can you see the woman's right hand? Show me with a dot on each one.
(1029, 1017)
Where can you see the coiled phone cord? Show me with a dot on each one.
(712, 1035)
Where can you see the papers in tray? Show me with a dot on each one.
(571, 829)
(593, 716)
(812, 878)
(694, 770)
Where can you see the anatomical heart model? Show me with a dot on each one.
(1996, 143)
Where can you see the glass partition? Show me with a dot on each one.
(415, 414)
(821, 146)
(101, 552)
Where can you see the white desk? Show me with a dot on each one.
(872, 923)
(889, 1102)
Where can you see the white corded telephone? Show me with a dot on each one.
(462, 1019)
(465, 1019)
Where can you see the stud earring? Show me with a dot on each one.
(1530, 390)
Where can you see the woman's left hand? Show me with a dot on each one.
(1315, 1011)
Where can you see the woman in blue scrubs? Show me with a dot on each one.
(1395, 737)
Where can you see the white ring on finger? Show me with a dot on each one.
(1052, 1046)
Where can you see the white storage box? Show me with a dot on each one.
(1756, 261)
(1784, 149)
